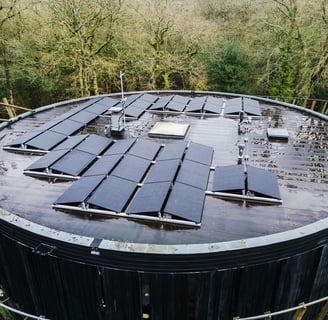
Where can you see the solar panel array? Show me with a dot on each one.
(145, 180)
(51, 134)
(254, 181)
(236, 105)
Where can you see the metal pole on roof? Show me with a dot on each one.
(122, 96)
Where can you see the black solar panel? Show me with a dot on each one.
(181, 99)
(148, 97)
(186, 202)
(74, 162)
(24, 138)
(141, 104)
(172, 151)
(113, 194)
(132, 98)
(145, 149)
(120, 147)
(97, 108)
(80, 190)
(212, 108)
(161, 103)
(252, 107)
(104, 165)
(163, 171)
(176, 106)
(71, 142)
(199, 153)
(262, 182)
(47, 160)
(46, 140)
(67, 127)
(194, 174)
(229, 179)
(109, 102)
(83, 117)
(94, 144)
(131, 168)
(134, 112)
(150, 198)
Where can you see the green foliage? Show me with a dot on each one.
(229, 69)
(5, 314)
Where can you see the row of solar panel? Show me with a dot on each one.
(175, 184)
(53, 133)
(234, 179)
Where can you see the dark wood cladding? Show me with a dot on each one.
(69, 286)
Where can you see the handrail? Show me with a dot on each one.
(22, 313)
(269, 315)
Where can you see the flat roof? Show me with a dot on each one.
(299, 164)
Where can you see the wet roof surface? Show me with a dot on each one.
(299, 163)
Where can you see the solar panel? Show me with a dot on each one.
(94, 144)
(194, 174)
(71, 142)
(163, 171)
(120, 147)
(229, 179)
(196, 104)
(67, 127)
(74, 162)
(161, 103)
(97, 108)
(145, 149)
(252, 107)
(263, 182)
(149, 97)
(212, 108)
(131, 168)
(141, 104)
(132, 98)
(104, 165)
(47, 160)
(181, 99)
(186, 202)
(46, 140)
(83, 117)
(172, 151)
(23, 139)
(134, 112)
(113, 194)
(109, 102)
(79, 190)
(199, 153)
(176, 106)
(150, 198)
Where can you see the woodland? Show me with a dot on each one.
(52, 50)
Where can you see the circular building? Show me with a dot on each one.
(165, 205)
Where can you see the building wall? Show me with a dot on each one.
(62, 286)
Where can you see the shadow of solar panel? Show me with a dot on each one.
(229, 179)
(262, 182)
(47, 160)
(79, 191)
(134, 112)
(172, 151)
(104, 165)
(94, 144)
(161, 103)
(67, 127)
(71, 142)
(23, 139)
(145, 149)
(199, 153)
(131, 168)
(97, 108)
(186, 202)
(83, 117)
(46, 140)
(113, 194)
(120, 147)
(194, 174)
(74, 162)
(150, 198)
(163, 171)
